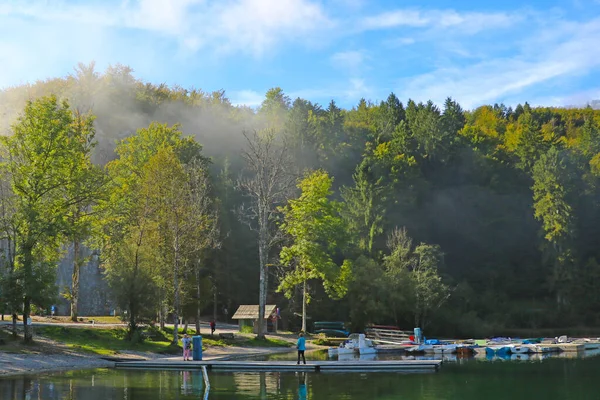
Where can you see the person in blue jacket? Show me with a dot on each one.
(301, 346)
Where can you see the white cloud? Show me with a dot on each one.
(252, 26)
(399, 42)
(469, 22)
(394, 19)
(563, 54)
(248, 98)
(258, 25)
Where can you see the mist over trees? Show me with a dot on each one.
(466, 222)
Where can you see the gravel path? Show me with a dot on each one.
(17, 364)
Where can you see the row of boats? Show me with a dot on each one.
(359, 344)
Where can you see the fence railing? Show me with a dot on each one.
(389, 335)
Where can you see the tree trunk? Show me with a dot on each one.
(14, 325)
(163, 314)
(132, 324)
(304, 306)
(176, 291)
(263, 256)
(27, 334)
(75, 281)
(198, 302)
(215, 302)
(185, 326)
(28, 267)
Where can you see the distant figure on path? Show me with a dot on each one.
(187, 347)
(301, 346)
(213, 326)
(53, 310)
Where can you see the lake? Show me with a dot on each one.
(552, 378)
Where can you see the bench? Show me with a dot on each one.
(225, 335)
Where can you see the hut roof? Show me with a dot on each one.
(251, 311)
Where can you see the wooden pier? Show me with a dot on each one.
(287, 366)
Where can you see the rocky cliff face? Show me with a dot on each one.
(94, 293)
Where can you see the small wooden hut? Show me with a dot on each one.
(247, 315)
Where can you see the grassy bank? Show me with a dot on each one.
(239, 339)
(111, 341)
(103, 341)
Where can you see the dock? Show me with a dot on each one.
(288, 366)
(566, 347)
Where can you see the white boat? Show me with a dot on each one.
(349, 346)
(332, 351)
(541, 349)
(518, 349)
(591, 346)
(367, 350)
(449, 349)
(365, 346)
(442, 349)
(345, 351)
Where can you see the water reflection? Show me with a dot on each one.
(555, 378)
(302, 386)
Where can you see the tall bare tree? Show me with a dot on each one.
(267, 184)
(204, 221)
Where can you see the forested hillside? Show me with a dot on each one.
(467, 222)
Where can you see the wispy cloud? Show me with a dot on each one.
(469, 22)
(562, 53)
(474, 56)
(252, 26)
(248, 98)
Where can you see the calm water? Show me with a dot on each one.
(555, 378)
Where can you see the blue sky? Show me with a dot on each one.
(545, 52)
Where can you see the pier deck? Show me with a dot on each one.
(289, 366)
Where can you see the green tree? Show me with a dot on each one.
(552, 194)
(274, 108)
(130, 230)
(43, 159)
(364, 207)
(413, 273)
(317, 232)
(183, 212)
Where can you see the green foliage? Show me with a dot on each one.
(101, 341)
(317, 232)
(364, 207)
(510, 196)
(247, 329)
(47, 162)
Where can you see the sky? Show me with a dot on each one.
(545, 52)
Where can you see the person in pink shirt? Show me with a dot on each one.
(187, 347)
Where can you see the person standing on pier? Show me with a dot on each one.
(187, 347)
(301, 346)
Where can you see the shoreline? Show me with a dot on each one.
(15, 364)
(20, 364)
